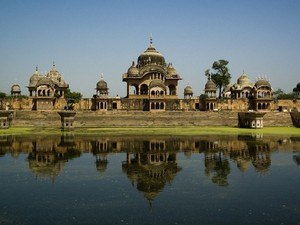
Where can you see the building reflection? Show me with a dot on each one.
(151, 161)
(100, 149)
(258, 151)
(48, 157)
(151, 168)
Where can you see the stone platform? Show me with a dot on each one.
(143, 119)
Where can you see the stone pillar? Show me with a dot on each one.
(67, 120)
(5, 118)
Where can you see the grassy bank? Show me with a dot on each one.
(179, 131)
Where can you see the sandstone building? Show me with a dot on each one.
(45, 89)
(151, 85)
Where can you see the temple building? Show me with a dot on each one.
(152, 82)
(262, 95)
(44, 89)
(211, 95)
(242, 88)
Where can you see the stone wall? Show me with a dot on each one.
(123, 104)
(143, 119)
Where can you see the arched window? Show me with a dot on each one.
(152, 105)
(259, 105)
(144, 89)
(162, 105)
(157, 105)
(133, 89)
(152, 92)
(172, 89)
(161, 92)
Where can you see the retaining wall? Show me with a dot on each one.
(143, 119)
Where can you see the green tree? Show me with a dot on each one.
(278, 93)
(296, 90)
(2, 97)
(73, 96)
(220, 74)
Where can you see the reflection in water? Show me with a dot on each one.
(217, 167)
(151, 168)
(297, 159)
(48, 157)
(151, 162)
(161, 169)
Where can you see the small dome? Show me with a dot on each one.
(171, 70)
(157, 83)
(133, 71)
(210, 85)
(243, 81)
(15, 88)
(188, 90)
(262, 83)
(102, 85)
(34, 78)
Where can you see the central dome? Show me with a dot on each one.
(151, 56)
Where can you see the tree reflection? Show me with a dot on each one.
(297, 159)
(217, 168)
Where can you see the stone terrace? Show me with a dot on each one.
(143, 119)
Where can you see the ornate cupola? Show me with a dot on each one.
(101, 88)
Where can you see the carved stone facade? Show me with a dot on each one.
(45, 89)
(152, 81)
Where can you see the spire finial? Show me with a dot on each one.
(151, 39)
(101, 76)
(36, 68)
(53, 63)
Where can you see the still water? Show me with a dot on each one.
(150, 180)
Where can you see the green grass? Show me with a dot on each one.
(179, 131)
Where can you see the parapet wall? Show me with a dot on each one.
(143, 119)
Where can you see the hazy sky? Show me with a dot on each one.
(86, 38)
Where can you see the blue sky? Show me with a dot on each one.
(86, 38)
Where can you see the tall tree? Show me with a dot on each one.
(296, 90)
(2, 97)
(220, 74)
